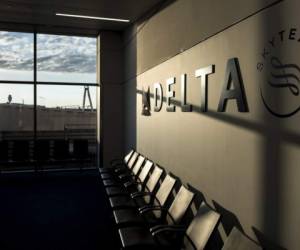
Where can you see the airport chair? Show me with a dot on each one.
(238, 241)
(173, 237)
(81, 149)
(122, 178)
(147, 195)
(20, 152)
(61, 150)
(124, 161)
(122, 168)
(158, 199)
(127, 176)
(133, 185)
(117, 163)
(4, 152)
(149, 189)
(42, 151)
(154, 215)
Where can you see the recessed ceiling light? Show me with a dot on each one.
(94, 17)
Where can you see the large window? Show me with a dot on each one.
(66, 122)
(66, 59)
(48, 116)
(16, 56)
(16, 126)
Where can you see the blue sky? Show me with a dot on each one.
(59, 59)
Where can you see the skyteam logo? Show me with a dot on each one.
(281, 74)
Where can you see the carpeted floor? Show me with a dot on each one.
(55, 211)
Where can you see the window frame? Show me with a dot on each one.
(35, 83)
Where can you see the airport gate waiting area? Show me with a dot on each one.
(149, 125)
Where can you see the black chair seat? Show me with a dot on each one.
(174, 237)
(130, 216)
(140, 202)
(132, 237)
(113, 191)
(120, 202)
(105, 170)
(127, 217)
(121, 198)
(126, 176)
(111, 183)
(106, 176)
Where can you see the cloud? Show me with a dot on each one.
(54, 53)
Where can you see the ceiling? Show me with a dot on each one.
(41, 13)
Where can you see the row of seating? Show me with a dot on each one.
(45, 150)
(149, 216)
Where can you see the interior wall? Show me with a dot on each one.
(244, 163)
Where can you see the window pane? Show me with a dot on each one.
(66, 59)
(65, 128)
(16, 126)
(16, 56)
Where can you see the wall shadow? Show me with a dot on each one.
(131, 72)
(274, 135)
(229, 220)
(263, 128)
(265, 242)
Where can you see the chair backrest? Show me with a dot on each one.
(179, 206)
(4, 151)
(145, 171)
(127, 157)
(61, 150)
(138, 165)
(42, 150)
(81, 149)
(20, 150)
(132, 160)
(164, 190)
(201, 228)
(238, 241)
(154, 178)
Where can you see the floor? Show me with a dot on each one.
(55, 211)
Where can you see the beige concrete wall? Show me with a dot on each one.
(248, 163)
(180, 26)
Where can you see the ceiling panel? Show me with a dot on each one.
(42, 13)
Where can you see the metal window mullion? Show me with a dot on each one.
(35, 96)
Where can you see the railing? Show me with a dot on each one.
(52, 149)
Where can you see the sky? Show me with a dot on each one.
(59, 59)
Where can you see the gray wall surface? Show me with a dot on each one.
(112, 96)
(244, 163)
(180, 26)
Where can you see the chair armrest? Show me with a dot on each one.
(140, 194)
(158, 227)
(169, 229)
(151, 209)
(146, 206)
(120, 168)
(125, 175)
(131, 183)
